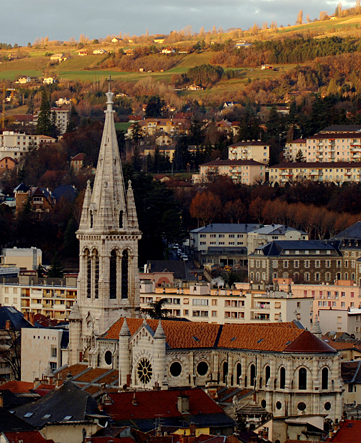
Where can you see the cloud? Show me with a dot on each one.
(25, 20)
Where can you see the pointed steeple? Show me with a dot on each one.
(84, 222)
(316, 329)
(108, 199)
(124, 330)
(132, 212)
(159, 333)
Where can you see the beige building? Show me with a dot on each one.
(200, 303)
(53, 298)
(334, 172)
(266, 234)
(246, 172)
(249, 150)
(46, 345)
(26, 258)
(16, 144)
(292, 149)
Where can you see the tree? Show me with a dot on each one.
(10, 350)
(44, 126)
(299, 156)
(56, 268)
(156, 309)
(299, 19)
(205, 207)
(155, 107)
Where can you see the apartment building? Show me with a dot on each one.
(16, 144)
(246, 172)
(222, 243)
(61, 118)
(53, 297)
(292, 149)
(335, 172)
(200, 303)
(249, 150)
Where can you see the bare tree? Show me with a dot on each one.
(299, 20)
(10, 350)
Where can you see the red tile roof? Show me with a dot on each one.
(153, 404)
(91, 375)
(349, 432)
(17, 387)
(307, 342)
(26, 437)
(275, 337)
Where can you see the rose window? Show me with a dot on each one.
(144, 371)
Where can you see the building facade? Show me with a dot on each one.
(249, 150)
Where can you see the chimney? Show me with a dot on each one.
(134, 400)
(192, 427)
(7, 325)
(26, 315)
(31, 318)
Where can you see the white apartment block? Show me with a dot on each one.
(61, 119)
(336, 172)
(26, 258)
(249, 150)
(327, 147)
(202, 304)
(50, 297)
(15, 144)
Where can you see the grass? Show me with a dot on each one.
(122, 126)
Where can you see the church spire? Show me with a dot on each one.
(107, 209)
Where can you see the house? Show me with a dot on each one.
(77, 162)
(49, 80)
(194, 88)
(99, 51)
(116, 40)
(168, 50)
(58, 57)
(40, 199)
(83, 53)
(7, 163)
(24, 79)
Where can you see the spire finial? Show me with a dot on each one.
(109, 80)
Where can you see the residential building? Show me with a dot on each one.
(58, 57)
(249, 150)
(198, 302)
(24, 79)
(61, 118)
(48, 345)
(16, 144)
(41, 200)
(51, 297)
(26, 258)
(266, 234)
(77, 162)
(292, 149)
(49, 80)
(7, 164)
(246, 172)
(335, 172)
(222, 243)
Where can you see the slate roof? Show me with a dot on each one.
(68, 192)
(227, 228)
(9, 422)
(314, 165)
(351, 371)
(17, 320)
(351, 233)
(276, 247)
(150, 405)
(178, 267)
(64, 405)
(341, 128)
(276, 229)
(232, 163)
(271, 337)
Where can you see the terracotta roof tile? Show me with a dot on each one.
(17, 387)
(307, 342)
(91, 375)
(271, 337)
(349, 432)
(26, 437)
(108, 379)
(74, 370)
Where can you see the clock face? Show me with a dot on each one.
(144, 371)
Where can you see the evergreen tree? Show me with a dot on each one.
(56, 269)
(44, 126)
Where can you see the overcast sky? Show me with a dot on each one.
(22, 21)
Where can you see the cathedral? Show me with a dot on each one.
(290, 370)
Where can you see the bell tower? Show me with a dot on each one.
(108, 281)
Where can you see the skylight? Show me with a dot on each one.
(232, 339)
(46, 416)
(28, 414)
(195, 338)
(67, 417)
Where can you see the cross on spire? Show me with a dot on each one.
(109, 80)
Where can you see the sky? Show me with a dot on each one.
(23, 21)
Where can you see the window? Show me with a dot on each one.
(253, 374)
(296, 263)
(282, 378)
(302, 379)
(324, 378)
(307, 263)
(54, 352)
(285, 263)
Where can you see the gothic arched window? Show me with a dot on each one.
(324, 378)
(239, 372)
(96, 274)
(125, 282)
(282, 378)
(88, 270)
(225, 372)
(302, 379)
(113, 275)
(91, 219)
(268, 374)
(253, 375)
(120, 219)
